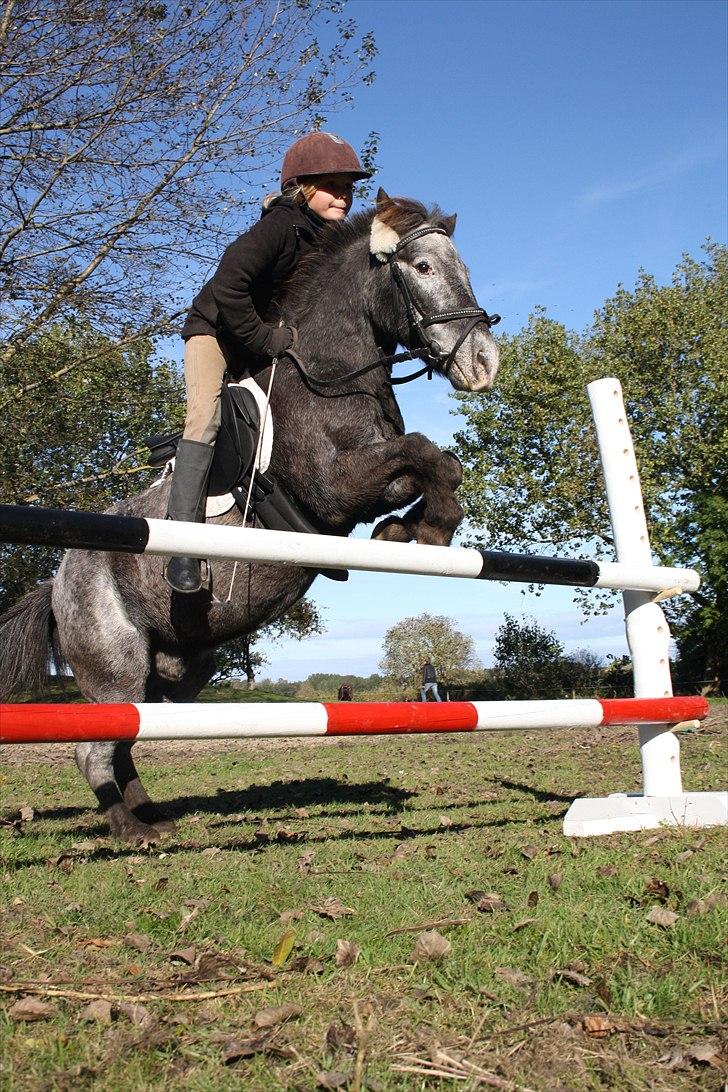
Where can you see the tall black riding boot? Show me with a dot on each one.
(187, 500)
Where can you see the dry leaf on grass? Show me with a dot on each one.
(31, 1009)
(523, 923)
(140, 1016)
(26, 814)
(236, 1048)
(575, 978)
(513, 976)
(597, 1026)
(269, 1017)
(283, 948)
(659, 889)
(184, 955)
(97, 1012)
(340, 1036)
(431, 945)
(555, 881)
(307, 965)
(658, 915)
(304, 863)
(701, 906)
(333, 1079)
(347, 953)
(486, 902)
(141, 942)
(332, 908)
(529, 852)
(532, 899)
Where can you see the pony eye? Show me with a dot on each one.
(423, 267)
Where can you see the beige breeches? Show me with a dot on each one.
(204, 370)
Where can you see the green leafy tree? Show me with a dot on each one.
(528, 659)
(81, 445)
(242, 657)
(427, 636)
(532, 474)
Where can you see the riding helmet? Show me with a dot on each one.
(320, 153)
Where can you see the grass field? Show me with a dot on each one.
(363, 914)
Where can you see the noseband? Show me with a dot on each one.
(419, 323)
(421, 345)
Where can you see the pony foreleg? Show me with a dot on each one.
(434, 519)
(133, 793)
(96, 761)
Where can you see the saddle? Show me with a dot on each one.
(233, 465)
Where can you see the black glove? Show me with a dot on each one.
(281, 338)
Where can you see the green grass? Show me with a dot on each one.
(400, 831)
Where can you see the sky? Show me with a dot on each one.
(578, 142)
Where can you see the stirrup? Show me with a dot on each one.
(184, 575)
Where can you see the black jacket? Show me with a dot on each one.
(231, 304)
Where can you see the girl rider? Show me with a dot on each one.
(224, 322)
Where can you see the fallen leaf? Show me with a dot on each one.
(555, 881)
(347, 953)
(301, 813)
(523, 923)
(340, 1036)
(332, 1079)
(307, 965)
(444, 820)
(529, 852)
(26, 813)
(184, 955)
(269, 1017)
(30, 1009)
(659, 889)
(235, 1049)
(188, 918)
(658, 915)
(283, 948)
(332, 908)
(606, 870)
(707, 1053)
(701, 906)
(305, 862)
(532, 899)
(84, 847)
(140, 1016)
(98, 1012)
(211, 851)
(513, 976)
(290, 915)
(487, 902)
(141, 942)
(431, 945)
(574, 977)
(597, 1026)
(98, 942)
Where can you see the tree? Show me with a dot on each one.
(133, 134)
(413, 640)
(81, 446)
(302, 620)
(528, 659)
(532, 476)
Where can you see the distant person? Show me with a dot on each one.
(429, 681)
(345, 692)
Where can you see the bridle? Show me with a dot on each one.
(422, 346)
(419, 323)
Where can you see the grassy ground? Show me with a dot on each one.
(276, 941)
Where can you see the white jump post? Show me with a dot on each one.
(648, 638)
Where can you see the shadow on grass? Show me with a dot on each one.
(259, 844)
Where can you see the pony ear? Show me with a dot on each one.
(383, 239)
(383, 200)
(449, 223)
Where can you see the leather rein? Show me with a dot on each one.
(424, 349)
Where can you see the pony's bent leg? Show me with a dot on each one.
(96, 763)
(134, 795)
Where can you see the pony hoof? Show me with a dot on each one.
(166, 827)
(128, 829)
(392, 530)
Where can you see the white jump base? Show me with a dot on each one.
(644, 585)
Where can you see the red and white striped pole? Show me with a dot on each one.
(251, 720)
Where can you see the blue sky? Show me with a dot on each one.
(578, 142)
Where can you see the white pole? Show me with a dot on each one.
(648, 634)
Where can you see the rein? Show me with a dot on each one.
(417, 326)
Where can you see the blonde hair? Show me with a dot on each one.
(301, 192)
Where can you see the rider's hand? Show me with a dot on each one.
(281, 338)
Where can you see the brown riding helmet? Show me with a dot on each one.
(320, 153)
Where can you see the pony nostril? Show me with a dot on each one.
(482, 359)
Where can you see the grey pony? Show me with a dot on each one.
(341, 452)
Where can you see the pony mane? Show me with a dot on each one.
(403, 214)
